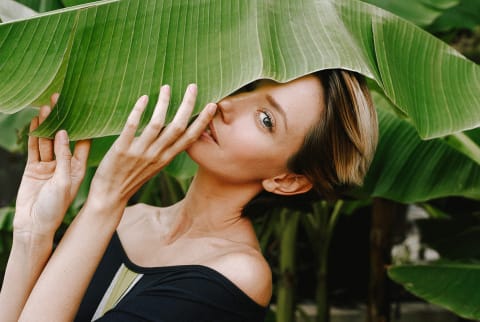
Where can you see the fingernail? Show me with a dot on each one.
(212, 108)
(45, 110)
(192, 88)
(144, 99)
(63, 136)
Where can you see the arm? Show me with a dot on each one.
(48, 187)
(129, 163)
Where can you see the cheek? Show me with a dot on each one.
(252, 153)
(248, 144)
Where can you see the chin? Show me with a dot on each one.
(196, 153)
(203, 158)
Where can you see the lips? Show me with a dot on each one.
(210, 130)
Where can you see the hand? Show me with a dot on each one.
(131, 160)
(51, 180)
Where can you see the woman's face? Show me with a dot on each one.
(255, 131)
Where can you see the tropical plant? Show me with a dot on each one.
(175, 44)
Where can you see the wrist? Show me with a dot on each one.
(28, 232)
(33, 241)
(105, 199)
(104, 205)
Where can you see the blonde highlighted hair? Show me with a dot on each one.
(339, 148)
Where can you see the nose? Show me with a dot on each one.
(226, 109)
(232, 106)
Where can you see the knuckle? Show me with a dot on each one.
(190, 139)
(133, 154)
(149, 157)
(131, 125)
(123, 153)
(162, 160)
(66, 155)
(176, 129)
(156, 126)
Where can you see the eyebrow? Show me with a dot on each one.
(279, 108)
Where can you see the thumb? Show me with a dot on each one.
(63, 155)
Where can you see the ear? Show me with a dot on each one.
(287, 184)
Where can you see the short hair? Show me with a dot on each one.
(338, 149)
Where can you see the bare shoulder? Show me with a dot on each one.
(250, 272)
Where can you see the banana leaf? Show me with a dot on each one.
(71, 3)
(408, 169)
(465, 15)
(448, 284)
(11, 126)
(421, 12)
(118, 50)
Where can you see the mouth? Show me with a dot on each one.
(210, 131)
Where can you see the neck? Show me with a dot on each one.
(213, 207)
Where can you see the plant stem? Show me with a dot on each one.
(325, 233)
(384, 214)
(286, 286)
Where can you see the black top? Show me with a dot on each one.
(122, 291)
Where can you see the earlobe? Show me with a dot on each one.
(287, 184)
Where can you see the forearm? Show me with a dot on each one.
(28, 257)
(62, 284)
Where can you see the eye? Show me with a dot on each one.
(266, 120)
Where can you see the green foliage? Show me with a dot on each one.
(421, 12)
(195, 51)
(449, 284)
(6, 220)
(12, 128)
(6, 224)
(71, 3)
(286, 230)
(408, 169)
(42, 5)
(466, 15)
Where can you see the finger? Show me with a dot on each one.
(157, 122)
(33, 153)
(45, 145)
(63, 157)
(186, 107)
(131, 126)
(196, 129)
(80, 154)
(180, 121)
(54, 99)
(81, 151)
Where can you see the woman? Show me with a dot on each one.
(199, 259)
